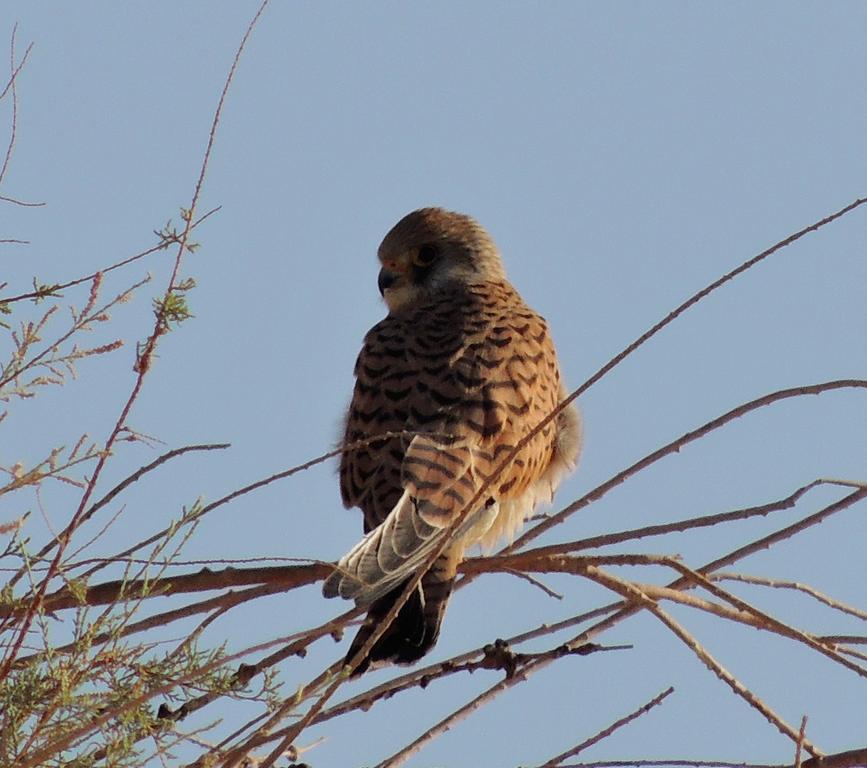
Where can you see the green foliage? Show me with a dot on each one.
(171, 308)
(5, 309)
(93, 700)
(83, 688)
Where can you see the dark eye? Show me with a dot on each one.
(424, 256)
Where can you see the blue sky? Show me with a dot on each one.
(623, 156)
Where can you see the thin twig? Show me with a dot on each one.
(11, 81)
(141, 369)
(228, 599)
(543, 526)
(677, 762)
(800, 745)
(120, 487)
(131, 703)
(681, 526)
(535, 582)
(794, 585)
(675, 445)
(635, 595)
(606, 732)
(423, 676)
(117, 265)
(400, 757)
(256, 485)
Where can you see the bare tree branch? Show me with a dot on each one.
(606, 732)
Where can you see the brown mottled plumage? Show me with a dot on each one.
(462, 364)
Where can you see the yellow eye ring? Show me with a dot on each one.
(424, 255)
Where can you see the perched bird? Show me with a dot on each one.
(463, 370)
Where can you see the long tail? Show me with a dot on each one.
(376, 570)
(417, 625)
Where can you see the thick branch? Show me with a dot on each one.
(286, 576)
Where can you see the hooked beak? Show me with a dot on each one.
(386, 279)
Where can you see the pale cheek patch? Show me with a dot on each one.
(399, 297)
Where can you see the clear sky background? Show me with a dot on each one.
(622, 155)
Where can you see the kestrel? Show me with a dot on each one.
(457, 374)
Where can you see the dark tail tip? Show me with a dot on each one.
(411, 635)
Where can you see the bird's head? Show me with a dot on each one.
(430, 250)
